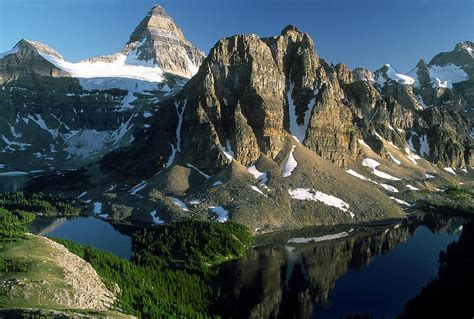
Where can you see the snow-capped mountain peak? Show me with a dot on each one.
(39, 47)
(387, 73)
(158, 40)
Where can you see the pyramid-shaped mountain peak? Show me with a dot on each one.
(157, 39)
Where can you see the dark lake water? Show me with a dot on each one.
(354, 270)
(86, 230)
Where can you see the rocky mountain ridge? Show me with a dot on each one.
(272, 136)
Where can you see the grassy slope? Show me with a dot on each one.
(38, 280)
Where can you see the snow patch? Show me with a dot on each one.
(389, 188)
(97, 208)
(290, 164)
(450, 170)
(424, 146)
(138, 187)
(412, 188)
(354, 173)
(180, 204)
(217, 183)
(261, 177)
(372, 164)
(361, 142)
(396, 161)
(222, 214)
(298, 130)
(14, 173)
(399, 201)
(409, 151)
(199, 171)
(174, 150)
(445, 76)
(227, 151)
(255, 188)
(156, 218)
(395, 76)
(317, 196)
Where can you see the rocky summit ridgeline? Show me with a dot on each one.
(251, 93)
(59, 114)
(265, 132)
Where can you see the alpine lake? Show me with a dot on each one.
(315, 272)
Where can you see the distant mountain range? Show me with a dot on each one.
(262, 131)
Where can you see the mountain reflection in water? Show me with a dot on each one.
(371, 270)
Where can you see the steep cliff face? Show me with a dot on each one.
(250, 92)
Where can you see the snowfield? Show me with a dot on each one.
(450, 170)
(260, 176)
(156, 218)
(120, 67)
(138, 187)
(222, 214)
(396, 161)
(389, 188)
(445, 76)
(394, 75)
(317, 196)
(180, 204)
(373, 164)
(354, 173)
(399, 201)
(290, 164)
(298, 131)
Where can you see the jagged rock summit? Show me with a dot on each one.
(57, 113)
(157, 39)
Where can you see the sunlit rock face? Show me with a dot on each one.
(157, 39)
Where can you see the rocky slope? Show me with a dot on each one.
(59, 114)
(56, 279)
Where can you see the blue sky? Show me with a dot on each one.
(356, 32)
